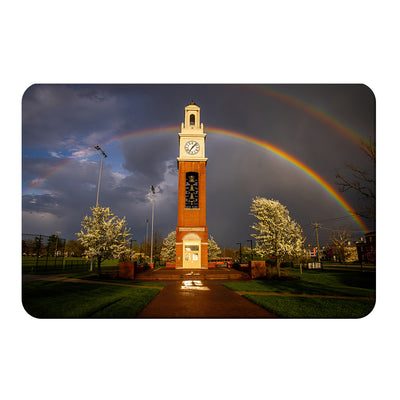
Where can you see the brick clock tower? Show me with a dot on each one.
(191, 232)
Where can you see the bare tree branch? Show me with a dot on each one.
(361, 181)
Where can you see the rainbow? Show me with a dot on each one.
(327, 186)
(232, 134)
(316, 113)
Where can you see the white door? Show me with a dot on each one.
(191, 255)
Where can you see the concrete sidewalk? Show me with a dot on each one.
(201, 299)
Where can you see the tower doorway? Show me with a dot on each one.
(191, 251)
(192, 255)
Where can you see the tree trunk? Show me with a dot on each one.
(278, 266)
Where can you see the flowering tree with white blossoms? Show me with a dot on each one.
(104, 235)
(168, 250)
(277, 234)
(213, 249)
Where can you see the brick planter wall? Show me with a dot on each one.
(127, 269)
(258, 269)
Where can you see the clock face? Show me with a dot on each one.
(192, 147)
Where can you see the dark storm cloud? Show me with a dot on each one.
(147, 156)
(75, 117)
(72, 115)
(73, 190)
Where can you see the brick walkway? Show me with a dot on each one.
(201, 299)
(190, 297)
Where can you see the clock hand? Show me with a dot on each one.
(192, 147)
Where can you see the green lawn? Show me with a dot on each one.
(46, 299)
(313, 307)
(317, 283)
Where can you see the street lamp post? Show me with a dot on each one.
(316, 225)
(103, 155)
(58, 233)
(152, 223)
(251, 247)
(240, 252)
(146, 246)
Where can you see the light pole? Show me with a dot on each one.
(152, 223)
(103, 155)
(58, 233)
(316, 226)
(146, 246)
(251, 247)
(240, 252)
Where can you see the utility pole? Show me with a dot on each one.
(316, 226)
(152, 222)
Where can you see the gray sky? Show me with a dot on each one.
(317, 124)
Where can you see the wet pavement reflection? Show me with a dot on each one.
(193, 285)
(192, 297)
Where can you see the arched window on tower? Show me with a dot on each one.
(192, 119)
(192, 190)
